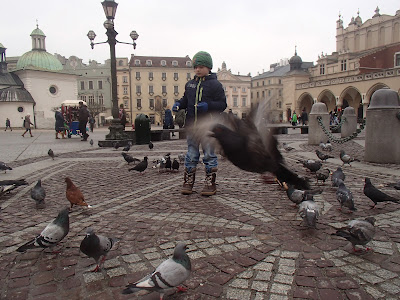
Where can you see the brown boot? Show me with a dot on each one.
(189, 178)
(210, 187)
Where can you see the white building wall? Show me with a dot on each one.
(10, 110)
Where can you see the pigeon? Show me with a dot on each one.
(38, 194)
(181, 157)
(7, 186)
(4, 167)
(168, 163)
(309, 212)
(249, 145)
(326, 146)
(74, 195)
(169, 274)
(151, 145)
(322, 156)
(140, 167)
(358, 232)
(52, 234)
(175, 165)
(116, 145)
(96, 246)
(322, 174)
(345, 197)
(337, 176)
(311, 164)
(346, 159)
(297, 196)
(127, 147)
(395, 185)
(129, 158)
(91, 142)
(51, 153)
(376, 195)
(287, 147)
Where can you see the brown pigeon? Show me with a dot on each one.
(74, 195)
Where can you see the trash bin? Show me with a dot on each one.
(142, 129)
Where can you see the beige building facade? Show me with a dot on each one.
(237, 91)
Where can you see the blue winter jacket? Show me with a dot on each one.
(205, 89)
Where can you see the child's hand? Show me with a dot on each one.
(175, 107)
(202, 106)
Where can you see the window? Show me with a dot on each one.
(126, 104)
(280, 104)
(83, 98)
(138, 89)
(251, 95)
(151, 90)
(235, 103)
(125, 90)
(151, 103)
(137, 75)
(100, 84)
(258, 95)
(322, 69)
(101, 100)
(188, 76)
(163, 63)
(120, 63)
(397, 59)
(269, 92)
(244, 90)
(257, 83)
(137, 62)
(263, 94)
(174, 63)
(90, 85)
(244, 101)
(150, 75)
(176, 77)
(176, 89)
(125, 79)
(280, 92)
(82, 85)
(139, 103)
(164, 89)
(234, 88)
(343, 65)
(280, 81)
(164, 76)
(152, 118)
(188, 63)
(164, 103)
(149, 62)
(269, 81)
(91, 100)
(263, 83)
(53, 90)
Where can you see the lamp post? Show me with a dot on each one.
(116, 129)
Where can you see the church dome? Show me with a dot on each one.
(37, 31)
(295, 59)
(39, 59)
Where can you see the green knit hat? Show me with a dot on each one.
(202, 58)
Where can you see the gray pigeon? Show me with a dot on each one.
(337, 176)
(52, 234)
(322, 156)
(346, 159)
(4, 167)
(309, 212)
(358, 232)
(169, 274)
(297, 196)
(51, 153)
(181, 157)
(96, 246)
(38, 194)
(311, 164)
(91, 142)
(287, 147)
(322, 174)
(345, 197)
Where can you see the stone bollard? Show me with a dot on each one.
(382, 138)
(350, 124)
(315, 132)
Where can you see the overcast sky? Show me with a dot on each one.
(248, 35)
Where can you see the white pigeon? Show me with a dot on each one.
(169, 274)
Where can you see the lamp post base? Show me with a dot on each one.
(116, 134)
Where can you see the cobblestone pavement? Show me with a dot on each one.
(245, 242)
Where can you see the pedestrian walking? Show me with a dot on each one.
(59, 127)
(204, 97)
(27, 125)
(8, 124)
(294, 119)
(168, 120)
(304, 117)
(83, 116)
(92, 121)
(122, 115)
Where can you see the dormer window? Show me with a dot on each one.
(163, 63)
(149, 62)
(137, 62)
(188, 63)
(174, 63)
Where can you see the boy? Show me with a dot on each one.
(204, 97)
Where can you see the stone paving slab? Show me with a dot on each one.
(246, 242)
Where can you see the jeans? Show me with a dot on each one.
(210, 160)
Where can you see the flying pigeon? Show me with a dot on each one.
(311, 164)
(96, 246)
(91, 142)
(345, 197)
(287, 147)
(74, 194)
(4, 167)
(175, 165)
(38, 194)
(346, 159)
(249, 145)
(376, 195)
(51, 153)
(140, 167)
(151, 145)
(52, 234)
(129, 158)
(297, 196)
(358, 232)
(169, 274)
(322, 174)
(337, 176)
(322, 156)
(309, 212)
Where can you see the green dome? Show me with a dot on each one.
(37, 31)
(40, 60)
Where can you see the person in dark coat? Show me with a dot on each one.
(92, 121)
(8, 124)
(204, 97)
(168, 120)
(304, 117)
(83, 116)
(122, 115)
(27, 125)
(59, 124)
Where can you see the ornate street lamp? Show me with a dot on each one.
(116, 129)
